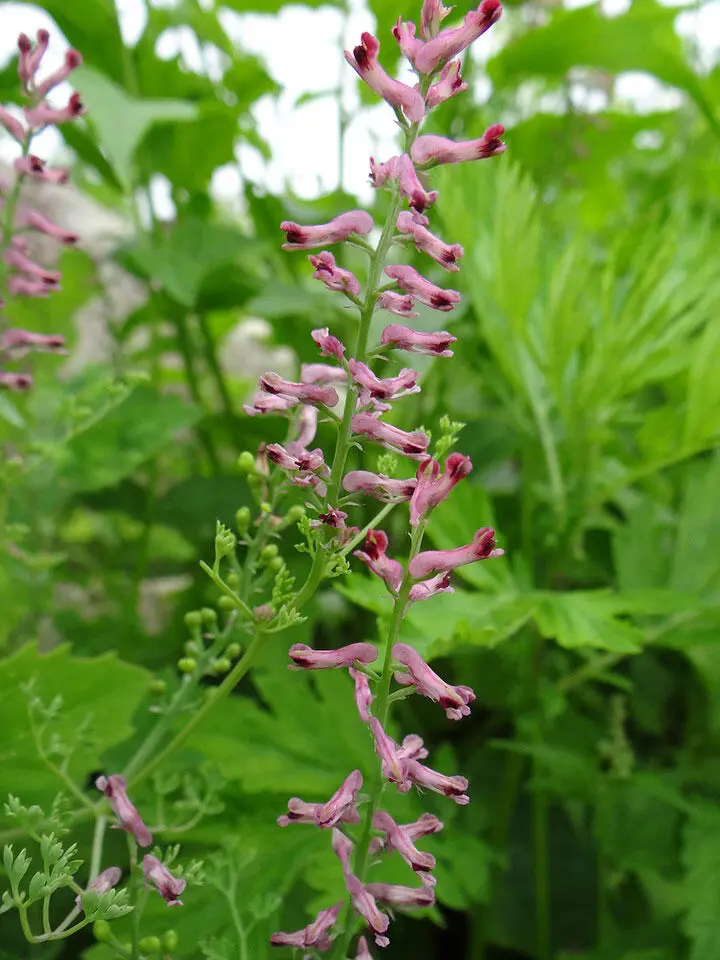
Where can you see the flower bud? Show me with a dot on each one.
(220, 666)
(276, 565)
(193, 620)
(101, 931)
(226, 603)
(295, 514)
(158, 686)
(265, 507)
(232, 580)
(246, 463)
(233, 650)
(242, 520)
(209, 617)
(269, 552)
(187, 665)
(150, 945)
(224, 541)
(169, 940)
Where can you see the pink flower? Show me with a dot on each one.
(334, 277)
(300, 392)
(342, 848)
(32, 166)
(453, 700)
(114, 788)
(429, 588)
(336, 231)
(364, 904)
(38, 221)
(404, 33)
(412, 444)
(393, 764)
(305, 658)
(374, 556)
(434, 150)
(398, 839)
(322, 372)
(373, 390)
(16, 343)
(269, 403)
(447, 255)
(20, 286)
(433, 487)
(448, 43)
(409, 280)
(364, 60)
(15, 382)
(12, 125)
(363, 952)
(301, 812)
(363, 694)
(340, 808)
(42, 115)
(414, 341)
(398, 896)
(329, 346)
(402, 170)
(422, 776)
(308, 465)
(448, 84)
(306, 427)
(432, 15)
(14, 257)
(102, 883)
(316, 935)
(73, 60)
(440, 561)
(379, 486)
(29, 56)
(401, 304)
(412, 748)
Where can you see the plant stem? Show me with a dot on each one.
(378, 518)
(186, 352)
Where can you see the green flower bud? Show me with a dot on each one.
(150, 945)
(220, 666)
(233, 650)
(224, 541)
(226, 603)
(295, 513)
(187, 665)
(158, 686)
(232, 580)
(101, 931)
(265, 507)
(209, 617)
(276, 565)
(267, 553)
(169, 940)
(246, 462)
(193, 620)
(242, 520)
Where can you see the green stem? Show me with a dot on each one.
(186, 352)
(97, 846)
(134, 897)
(378, 518)
(222, 388)
(228, 591)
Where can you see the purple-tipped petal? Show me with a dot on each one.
(374, 556)
(412, 282)
(169, 887)
(453, 700)
(412, 444)
(337, 230)
(114, 788)
(364, 60)
(305, 658)
(441, 561)
(316, 935)
(433, 487)
(414, 341)
(435, 150)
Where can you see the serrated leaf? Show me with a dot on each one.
(701, 857)
(586, 619)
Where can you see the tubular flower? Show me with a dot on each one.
(15, 382)
(364, 60)
(394, 764)
(374, 556)
(300, 392)
(340, 808)
(43, 115)
(441, 561)
(395, 895)
(38, 221)
(102, 883)
(409, 280)
(363, 694)
(322, 373)
(432, 487)
(401, 170)
(448, 84)
(430, 588)
(432, 15)
(305, 658)
(447, 255)
(453, 700)
(373, 390)
(412, 444)
(448, 43)
(336, 231)
(404, 33)
(432, 150)
(396, 838)
(114, 788)
(334, 277)
(329, 346)
(32, 166)
(377, 485)
(342, 848)
(168, 886)
(364, 903)
(301, 812)
(16, 343)
(401, 304)
(316, 935)
(363, 951)
(422, 776)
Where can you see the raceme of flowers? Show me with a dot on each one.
(22, 275)
(361, 831)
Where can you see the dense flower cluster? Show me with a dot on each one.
(369, 398)
(23, 276)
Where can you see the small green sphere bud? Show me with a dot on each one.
(233, 650)
(267, 553)
(158, 686)
(276, 565)
(209, 617)
(101, 931)
(295, 513)
(170, 940)
(193, 620)
(221, 665)
(232, 580)
(226, 603)
(192, 649)
(150, 945)
(187, 665)
(246, 462)
(242, 520)
(265, 507)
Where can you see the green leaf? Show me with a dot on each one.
(701, 857)
(696, 561)
(586, 619)
(10, 413)
(122, 121)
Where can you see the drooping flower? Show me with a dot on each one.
(432, 150)
(342, 848)
(13, 126)
(422, 776)
(103, 882)
(401, 304)
(378, 485)
(15, 382)
(337, 230)
(329, 345)
(363, 951)
(305, 658)
(447, 255)
(430, 588)
(169, 887)
(440, 561)
(16, 343)
(333, 276)
(323, 373)
(316, 935)
(448, 85)
(409, 280)
(115, 789)
(307, 467)
(300, 392)
(433, 487)
(374, 556)
(43, 115)
(404, 33)
(395, 895)
(341, 807)
(413, 444)
(397, 838)
(401, 170)
(269, 403)
(301, 812)
(35, 220)
(364, 60)
(448, 43)
(453, 700)
(393, 764)
(376, 391)
(15, 256)
(364, 903)
(32, 166)
(363, 694)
